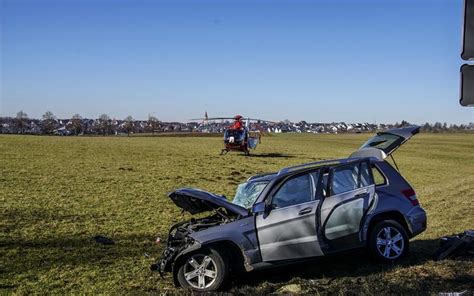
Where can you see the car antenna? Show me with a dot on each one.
(394, 162)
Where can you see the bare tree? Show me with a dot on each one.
(105, 124)
(75, 124)
(427, 127)
(404, 123)
(153, 124)
(129, 125)
(48, 124)
(21, 121)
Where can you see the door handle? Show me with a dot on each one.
(361, 194)
(305, 211)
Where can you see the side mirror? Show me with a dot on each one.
(259, 207)
(467, 54)
(468, 31)
(467, 85)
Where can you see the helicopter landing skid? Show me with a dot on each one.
(224, 151)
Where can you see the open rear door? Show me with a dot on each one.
(350, 194)
(385, 143)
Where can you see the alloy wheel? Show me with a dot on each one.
(390, 242)
(200, 271)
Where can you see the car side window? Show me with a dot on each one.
(345, 178)
(379, 178)
(365, 177)
(350, 177)
(299, 189)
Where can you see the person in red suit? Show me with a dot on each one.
(238, 124)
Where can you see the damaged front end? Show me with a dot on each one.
(194, 201)
(180, 242)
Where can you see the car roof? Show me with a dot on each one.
(262, 177)
(305, 167)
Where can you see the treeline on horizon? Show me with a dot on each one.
(105, 125)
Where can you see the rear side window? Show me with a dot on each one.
(350, 177)
(345, 179)
(379, 178)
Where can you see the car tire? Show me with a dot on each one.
(388, 242)
(203, 271)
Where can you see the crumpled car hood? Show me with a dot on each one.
(197, 201)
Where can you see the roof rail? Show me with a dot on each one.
(259, 175)
(314, 164)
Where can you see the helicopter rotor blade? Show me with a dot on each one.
(261, 120)
(219, 118)
(232, 118)
(212, 118)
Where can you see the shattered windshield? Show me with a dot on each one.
(247, 193)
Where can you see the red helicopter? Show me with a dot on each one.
(238, 137)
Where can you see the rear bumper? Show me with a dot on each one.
(417, 220)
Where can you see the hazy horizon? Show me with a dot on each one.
(230, 120)
(318, 61)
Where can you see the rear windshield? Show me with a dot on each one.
(385, 142)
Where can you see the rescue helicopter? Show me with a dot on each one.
(238, 136)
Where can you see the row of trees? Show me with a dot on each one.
(438, 127)
(21, 122)
(103, 125)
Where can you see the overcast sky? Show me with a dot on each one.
(319, 61)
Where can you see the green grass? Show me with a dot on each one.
(58, 192)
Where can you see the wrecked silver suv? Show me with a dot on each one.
(297, 213)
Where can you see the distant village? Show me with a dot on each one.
(105, 125)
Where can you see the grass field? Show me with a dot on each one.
(56, 193)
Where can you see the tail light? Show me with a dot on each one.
(411, 196)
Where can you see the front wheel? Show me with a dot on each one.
(388, 241)
(203, 271)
